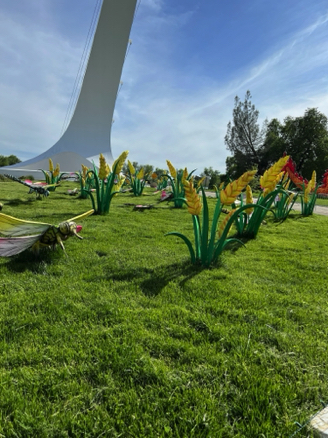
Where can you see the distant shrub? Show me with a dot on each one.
(24, 177)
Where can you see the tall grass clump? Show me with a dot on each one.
(136, 179)
(211, 241)
(248, 222)
(177, 179)
(53, 176)
(107, 182)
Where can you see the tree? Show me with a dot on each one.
(125, 168)
(214, 175)
(12, 159)
(238, 164)
(305, 138)
(148, 169)
(274, 145)
(3, 161)
(8, 161)
(244, 137)
(159, 172)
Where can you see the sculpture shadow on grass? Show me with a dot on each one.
(35, 263)
(61, 217)
(18, 201)
(153, 280)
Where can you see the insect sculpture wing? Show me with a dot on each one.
(19, 231)
(41, 185)
(37, 188)
(36, 184)
(10, 246)
(11, 226)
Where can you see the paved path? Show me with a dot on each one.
(318, 209)
(320, 423)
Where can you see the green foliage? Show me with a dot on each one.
(248, 225)
(176, 178)
(120, 339)
(29, 177)
(274, 145)
(305, 138)
(244, 138)
(207, 247)
(53, 176)
(283, 204)
(86, 180)
(125, 168)
(161, 183)
(160, 172)
(107, 185)
(255, 183)
(137, 179)
(214, 176)
(3, 178)
(104, 192)
(9, 160)
(308, 201)
(147, 168)
(3, 161)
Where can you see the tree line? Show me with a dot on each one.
(8, 161)
(305, 138)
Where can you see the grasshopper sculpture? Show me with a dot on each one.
(21, 235)
(39, 189)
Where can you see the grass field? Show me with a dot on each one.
(125, 338)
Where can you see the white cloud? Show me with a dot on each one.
(188, 127)
(153, 4)
(36, 69)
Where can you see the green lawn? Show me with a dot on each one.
(322, 201)
(125, 338)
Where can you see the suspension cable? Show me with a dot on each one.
(84, 59)
(82, 67)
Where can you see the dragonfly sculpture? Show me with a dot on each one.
(40, 189)
(21, 235)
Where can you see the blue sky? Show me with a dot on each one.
(187, 62)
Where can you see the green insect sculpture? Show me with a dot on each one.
(21, 235)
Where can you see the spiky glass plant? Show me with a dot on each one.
(243, 216)
(53, 176)
(87, 180)
(177, 179)
(211, 241)
(136, 179)
(108, 182)
(199, 184)
(249, 222)
(284, 201)
(309, 196)
(162, 182)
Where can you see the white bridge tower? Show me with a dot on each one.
(89, 131)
